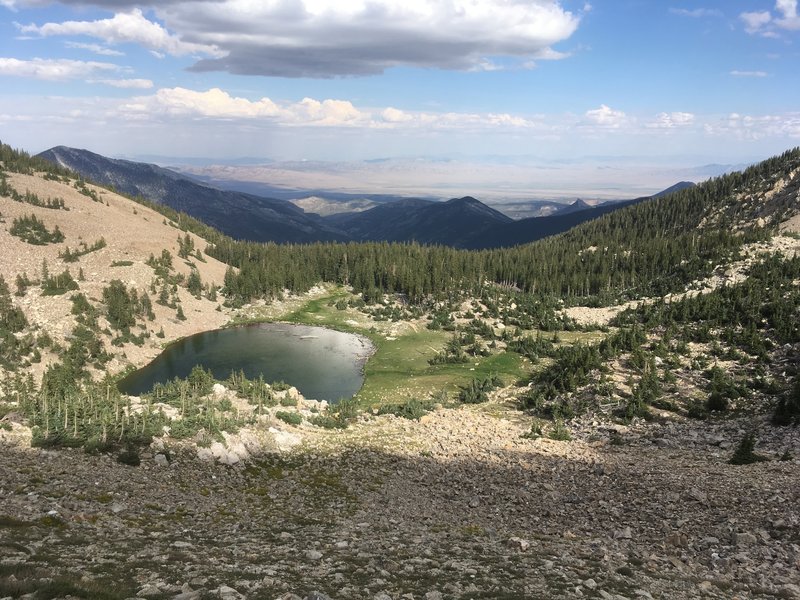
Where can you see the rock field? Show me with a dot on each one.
(458, 505)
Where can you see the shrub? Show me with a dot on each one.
(412, 408)
(476, 391)
(744, 454)
(787, 411)
(292, 418)
(559, 432)
(31, 229)
(346, 409)
(717, 402)
(288, 401)
(129, 456)
(535, 431)
(328, 422)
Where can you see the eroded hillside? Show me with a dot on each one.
(124, 236)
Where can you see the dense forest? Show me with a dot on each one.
(652, 248)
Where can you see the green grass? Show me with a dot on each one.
(317, 312)
(399, 368)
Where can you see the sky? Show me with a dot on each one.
(678, 82)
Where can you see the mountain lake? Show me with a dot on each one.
(322, 364)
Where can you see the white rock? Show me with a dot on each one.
(284, 440)
(313, 555)
(228, 593)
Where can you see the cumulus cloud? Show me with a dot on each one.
(218, 104)
(789, 19)
(765, 23)
(311, 38)
(756, 127)
(127, 27)
(605, 117)
(314, 38)
(671, 120)
(395, 115)
(53, 69)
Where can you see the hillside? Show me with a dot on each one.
(459, 222)
(498, 447)
(444, 223)
(129, 234)
(240, 215)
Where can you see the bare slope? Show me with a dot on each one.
(131, 232)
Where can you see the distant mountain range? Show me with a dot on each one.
(239, 215)
(460, 222)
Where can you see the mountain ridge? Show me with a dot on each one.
(240, 215)
(464, 222)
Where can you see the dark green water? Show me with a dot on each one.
(323, 364)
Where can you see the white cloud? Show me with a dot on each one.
(128, 84)
(96, 48)
(129, 27)
(394, 115)
(362, 37)
(320, 38)
(756, 127)
(754, 22)
(790, 19)
(765, 23)
(736, 73)
(671, 120)
(218, 104)
(52, 69)
(605, 117)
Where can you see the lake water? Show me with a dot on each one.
(323, 364)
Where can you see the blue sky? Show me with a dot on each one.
(687, 82)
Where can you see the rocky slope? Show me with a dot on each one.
(460, 505)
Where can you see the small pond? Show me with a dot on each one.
(323, 364)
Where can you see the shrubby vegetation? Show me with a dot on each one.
(83, 249)
(12, 321)
(752, 319)
(31, 229)
(29, 197)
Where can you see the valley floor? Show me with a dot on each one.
(458, 505)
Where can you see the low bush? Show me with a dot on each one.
(413, 409)
(292, 418)
(744, 454)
